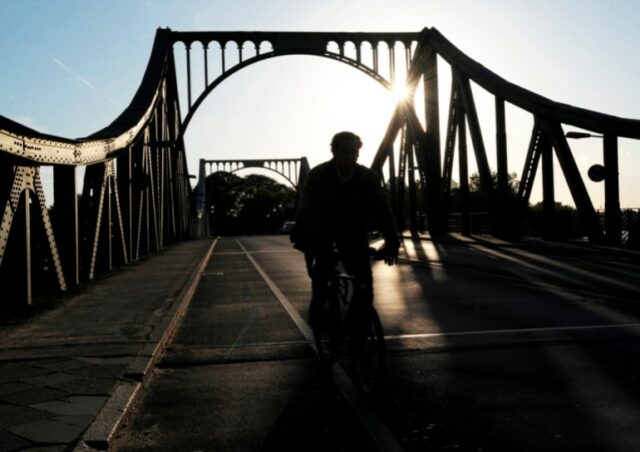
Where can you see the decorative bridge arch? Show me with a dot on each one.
(267, 45)
(136, 196)
(293, 170)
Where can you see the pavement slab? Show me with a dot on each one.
(11, 415)
(72, 405)
(48, 431)
(34, 395)
(59, 367)
(87, 386)
(10, 441)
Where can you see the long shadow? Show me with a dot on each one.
(477, 393)
(317, 419)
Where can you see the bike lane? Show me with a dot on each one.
(485, 355)
(240, 375)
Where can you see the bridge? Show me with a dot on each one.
(451, 292)
(293, 171)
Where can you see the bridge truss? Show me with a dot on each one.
(136, 197)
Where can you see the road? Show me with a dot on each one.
(491, 347)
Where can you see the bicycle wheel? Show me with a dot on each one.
(327, 327)
(368, 355)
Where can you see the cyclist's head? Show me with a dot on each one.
(345, 141)
(345, 147)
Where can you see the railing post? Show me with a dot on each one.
(435, 212)
(65, 221)
(612, 223)
(502, 168)
(27, 246)
(548, 193)
(465, 219)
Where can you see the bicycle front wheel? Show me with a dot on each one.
(368, 355)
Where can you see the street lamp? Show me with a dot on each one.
(608, 173)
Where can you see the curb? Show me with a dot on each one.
(100, 432)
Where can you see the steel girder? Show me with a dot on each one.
(136, 196)
(506, 213)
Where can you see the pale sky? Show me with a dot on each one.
(69, 67)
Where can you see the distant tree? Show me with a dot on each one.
(247, 205)
(224, 202)
(566, 223)
(266, 205)
(478, 201)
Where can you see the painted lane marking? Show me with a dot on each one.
(378, 432)
(558, 265)
(514, 331)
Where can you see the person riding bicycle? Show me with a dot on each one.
(342, 202)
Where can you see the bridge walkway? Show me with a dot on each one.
(77, 364)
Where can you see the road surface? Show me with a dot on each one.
(490, 347)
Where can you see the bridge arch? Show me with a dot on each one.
(293, 170)
(262, 57)
(293, 184)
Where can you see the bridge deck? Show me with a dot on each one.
(491, 347)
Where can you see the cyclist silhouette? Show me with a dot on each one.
(342, 202)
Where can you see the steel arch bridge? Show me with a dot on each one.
(136, 196)
(293, 170)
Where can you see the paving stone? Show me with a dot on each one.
(33, 396)
(48, 431)
(10, 441)
(13, 386)
(16, 371)
(59, 365)
(75, 420)
(15, 415)
(87, 386)
(45, 449)
(102, 371)
(106, 361)
(49, 379)
(73, 405)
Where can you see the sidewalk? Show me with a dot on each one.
(68, 375)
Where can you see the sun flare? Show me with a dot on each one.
(400, 91)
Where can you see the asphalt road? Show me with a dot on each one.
(491, 347)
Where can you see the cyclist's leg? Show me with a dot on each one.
(320, 272)
(357, 263)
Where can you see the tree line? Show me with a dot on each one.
(257, 204)
(248, 205)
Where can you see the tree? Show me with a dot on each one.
(478, 201)
(247, 205)
(566, 223)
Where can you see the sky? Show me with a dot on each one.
(69, 68)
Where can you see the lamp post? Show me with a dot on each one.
(608, 173)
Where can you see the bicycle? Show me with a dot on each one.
(342, 328)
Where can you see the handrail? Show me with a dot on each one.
(528, 100)
(29, 144)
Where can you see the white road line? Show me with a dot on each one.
(277, 250)
(379, 433)
(284, 301)
(548, 263)
(514, 331)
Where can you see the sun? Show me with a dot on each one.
(400, 91)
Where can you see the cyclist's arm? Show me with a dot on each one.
(386, 222)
